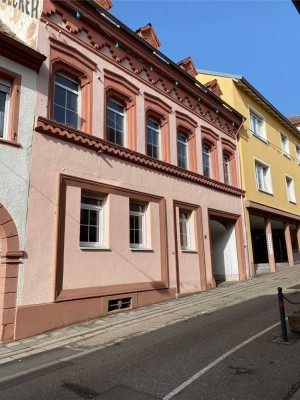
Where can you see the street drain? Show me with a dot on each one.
(82, 391)
(241, 371)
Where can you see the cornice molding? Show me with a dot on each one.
(79, 138)
(160, 76)
(20, 53)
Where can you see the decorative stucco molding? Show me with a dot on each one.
(106, 4)
(188, 65)
(101, 39)
(93, 143)
(214, 87)
(147, 33)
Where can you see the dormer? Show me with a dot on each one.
(188, 65)
(106, 4)
(214, 87)
(147, 33)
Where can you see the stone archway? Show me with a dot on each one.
(9, 265)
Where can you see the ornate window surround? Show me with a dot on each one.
(187, 126)
(228, 150)
(160, 111)
(69, 61)
(14, 106)
(210, 139)
(120, 89)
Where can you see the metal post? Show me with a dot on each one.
(282, 315)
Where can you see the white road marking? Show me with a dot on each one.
(217, 361)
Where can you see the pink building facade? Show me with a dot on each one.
(134, 191)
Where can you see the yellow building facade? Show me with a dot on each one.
(269, 151)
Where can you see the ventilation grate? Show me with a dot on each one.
(119, 304)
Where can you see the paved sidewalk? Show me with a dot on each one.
(118, 327)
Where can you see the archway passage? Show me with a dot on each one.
(9, 265)
(224, 250)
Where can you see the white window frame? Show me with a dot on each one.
(138, 214)
(284, 143)
(5, 87)
(267, 182)
(119, 113)
(290, 189)
(159, 136)
(226, 162)
(186, 149)
(297, 147)
(185, 221)
(262, 131)
(101, 218)
(209, 159)
(78, 92)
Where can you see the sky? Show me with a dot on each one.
(257, 39)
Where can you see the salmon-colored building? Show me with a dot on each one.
(134, 191)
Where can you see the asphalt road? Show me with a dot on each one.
(153, 365)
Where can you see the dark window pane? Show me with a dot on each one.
(94, 234)
(59, 114)
(89, 200)
(94, 217)
(119, 123)
(111, 135)
(84, 234)
(2, 112)
(132, 236)
(155, 152)
(66, 82)
(152, 124)
(71, 119)
(115, 106)
(110, 119)
(136, 207)
(119, 138)
(84, 217)
(72, 101)
(60, 96)
(139, 237)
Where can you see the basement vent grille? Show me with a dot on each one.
(119, 304)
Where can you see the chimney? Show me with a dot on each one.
(188, 65)
(147, 33)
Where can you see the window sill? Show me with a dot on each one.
(263, 191)
(188, 251)
(286, 155)
(9, 143)
(292, 202)
(141, 250)
(84, 248)
(261, 138)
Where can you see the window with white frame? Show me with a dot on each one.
(4, 107)
(137, 225)
(182, 158)
(290, 189)
(284, 145)
(263, 179)
(257, 124)
(184, 228)
(115, 122)
(226, 170)
(91, 220)
(298, 153)
(206, 160)
(153, 138)
(66, 100)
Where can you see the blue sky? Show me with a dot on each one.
(257, 39)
